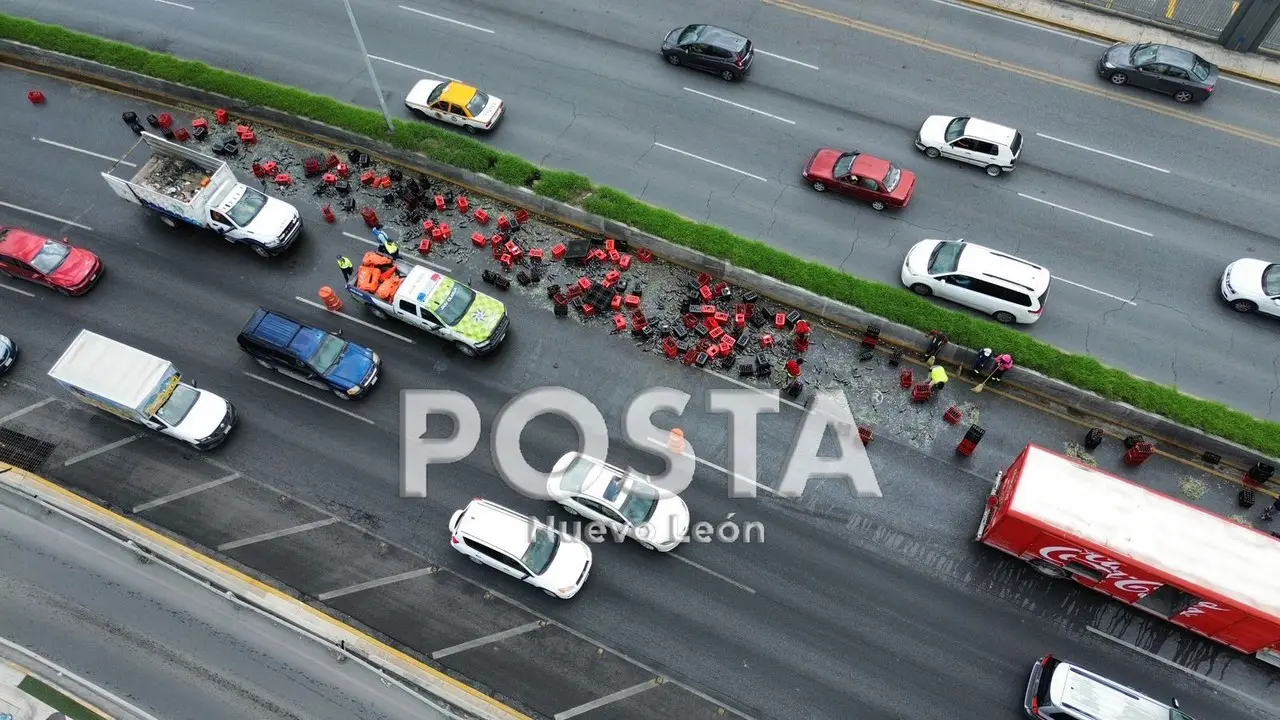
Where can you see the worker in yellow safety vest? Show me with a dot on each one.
(937, 378)
(344, 264)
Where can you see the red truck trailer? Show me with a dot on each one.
(1215, 577)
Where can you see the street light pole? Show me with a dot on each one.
(369, 64)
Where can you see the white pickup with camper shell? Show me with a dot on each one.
(142, 388)
(181, 183)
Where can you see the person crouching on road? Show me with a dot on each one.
(937, 378)
(386, 245)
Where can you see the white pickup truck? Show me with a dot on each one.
(181, 183)
(474, 322)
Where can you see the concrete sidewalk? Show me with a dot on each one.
(22, 697)
(1078, 19)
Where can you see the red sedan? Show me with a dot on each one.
(862, 176)
(55, 263)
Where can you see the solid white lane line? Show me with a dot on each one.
(353, 319)
(1023, 23)
(606, 700)
(743, 107)
(409, 67)
(73, 148)
(98, 451)
(787, 59)
(185, 493)
(32, 407)
(1253, 85)
(1101, 152)
(710, 162)
(1085, 214)
(374, 583)
(448, 20)
(169, 2)
(47, 216)
(410, 258)
(1086, 287)
(713, 573)
(276, 534)
(714, 466)
(305, 396)
(1216, 683)
(10, 288)
(487, 639)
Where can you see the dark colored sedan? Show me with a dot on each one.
(1163, 68)
(710, 49)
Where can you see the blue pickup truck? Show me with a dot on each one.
(317, 357)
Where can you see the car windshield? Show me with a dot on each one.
(1143, 54)
(541, 551)
(456, 305)
(844, 165)
(639, 504)
(243, 212)
(50, 257)
(175, 409)
(326, 356)
(955, 129)
(892, 178)
(1271, 280)
(1200, 70)
(477, 104)
(945, 258)
(690, 34)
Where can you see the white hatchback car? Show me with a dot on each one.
(1252, 286)
(626, 503)
(995, 148)
(522, 547)
(1007, 288)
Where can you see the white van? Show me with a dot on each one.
(1005, 287)
(994, 148)
(1061, 691)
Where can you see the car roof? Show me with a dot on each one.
(722, 38)
(987, 264)
(604, 481)
(283, 332)
(1094, 696)
(869, 166)
(989, 131)
(21, 244)
(458, 94)
(495, 525)
(1177, 57)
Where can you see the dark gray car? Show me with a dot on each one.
(710, 49)
(1163, 68)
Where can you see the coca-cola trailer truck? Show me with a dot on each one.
(1200, 571)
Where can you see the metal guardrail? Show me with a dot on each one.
(1271, 43)
(1207, 18)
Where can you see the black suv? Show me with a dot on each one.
(710, 49)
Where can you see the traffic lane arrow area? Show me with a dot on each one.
(152, 635)
(350, 491)
(738, 201)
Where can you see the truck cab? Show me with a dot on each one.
(249, 215)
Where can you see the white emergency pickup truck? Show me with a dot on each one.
(142, 388)
(442, 306)
(181, 183)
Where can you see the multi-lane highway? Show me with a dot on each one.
(881, 609)
(170, 646)
(1134, 203)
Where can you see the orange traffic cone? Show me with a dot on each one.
(331, 300)
(675, 441)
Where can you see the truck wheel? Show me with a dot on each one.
(465, 349)
(261, 251)
(168, 221)
(342, 395)
(1045, 567)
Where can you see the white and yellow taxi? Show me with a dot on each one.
(455, 103)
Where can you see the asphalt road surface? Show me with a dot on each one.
(1135, 204)
(881, 609)
(170, 646)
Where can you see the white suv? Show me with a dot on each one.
(995, 148)
(1059, 690)
(521, 547)
(1007, 288)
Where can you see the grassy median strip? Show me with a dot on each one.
(893, 303)
(56, 699)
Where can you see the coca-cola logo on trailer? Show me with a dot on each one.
(1110, 569)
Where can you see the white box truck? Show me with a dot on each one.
(181, 183)
(142, 388)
